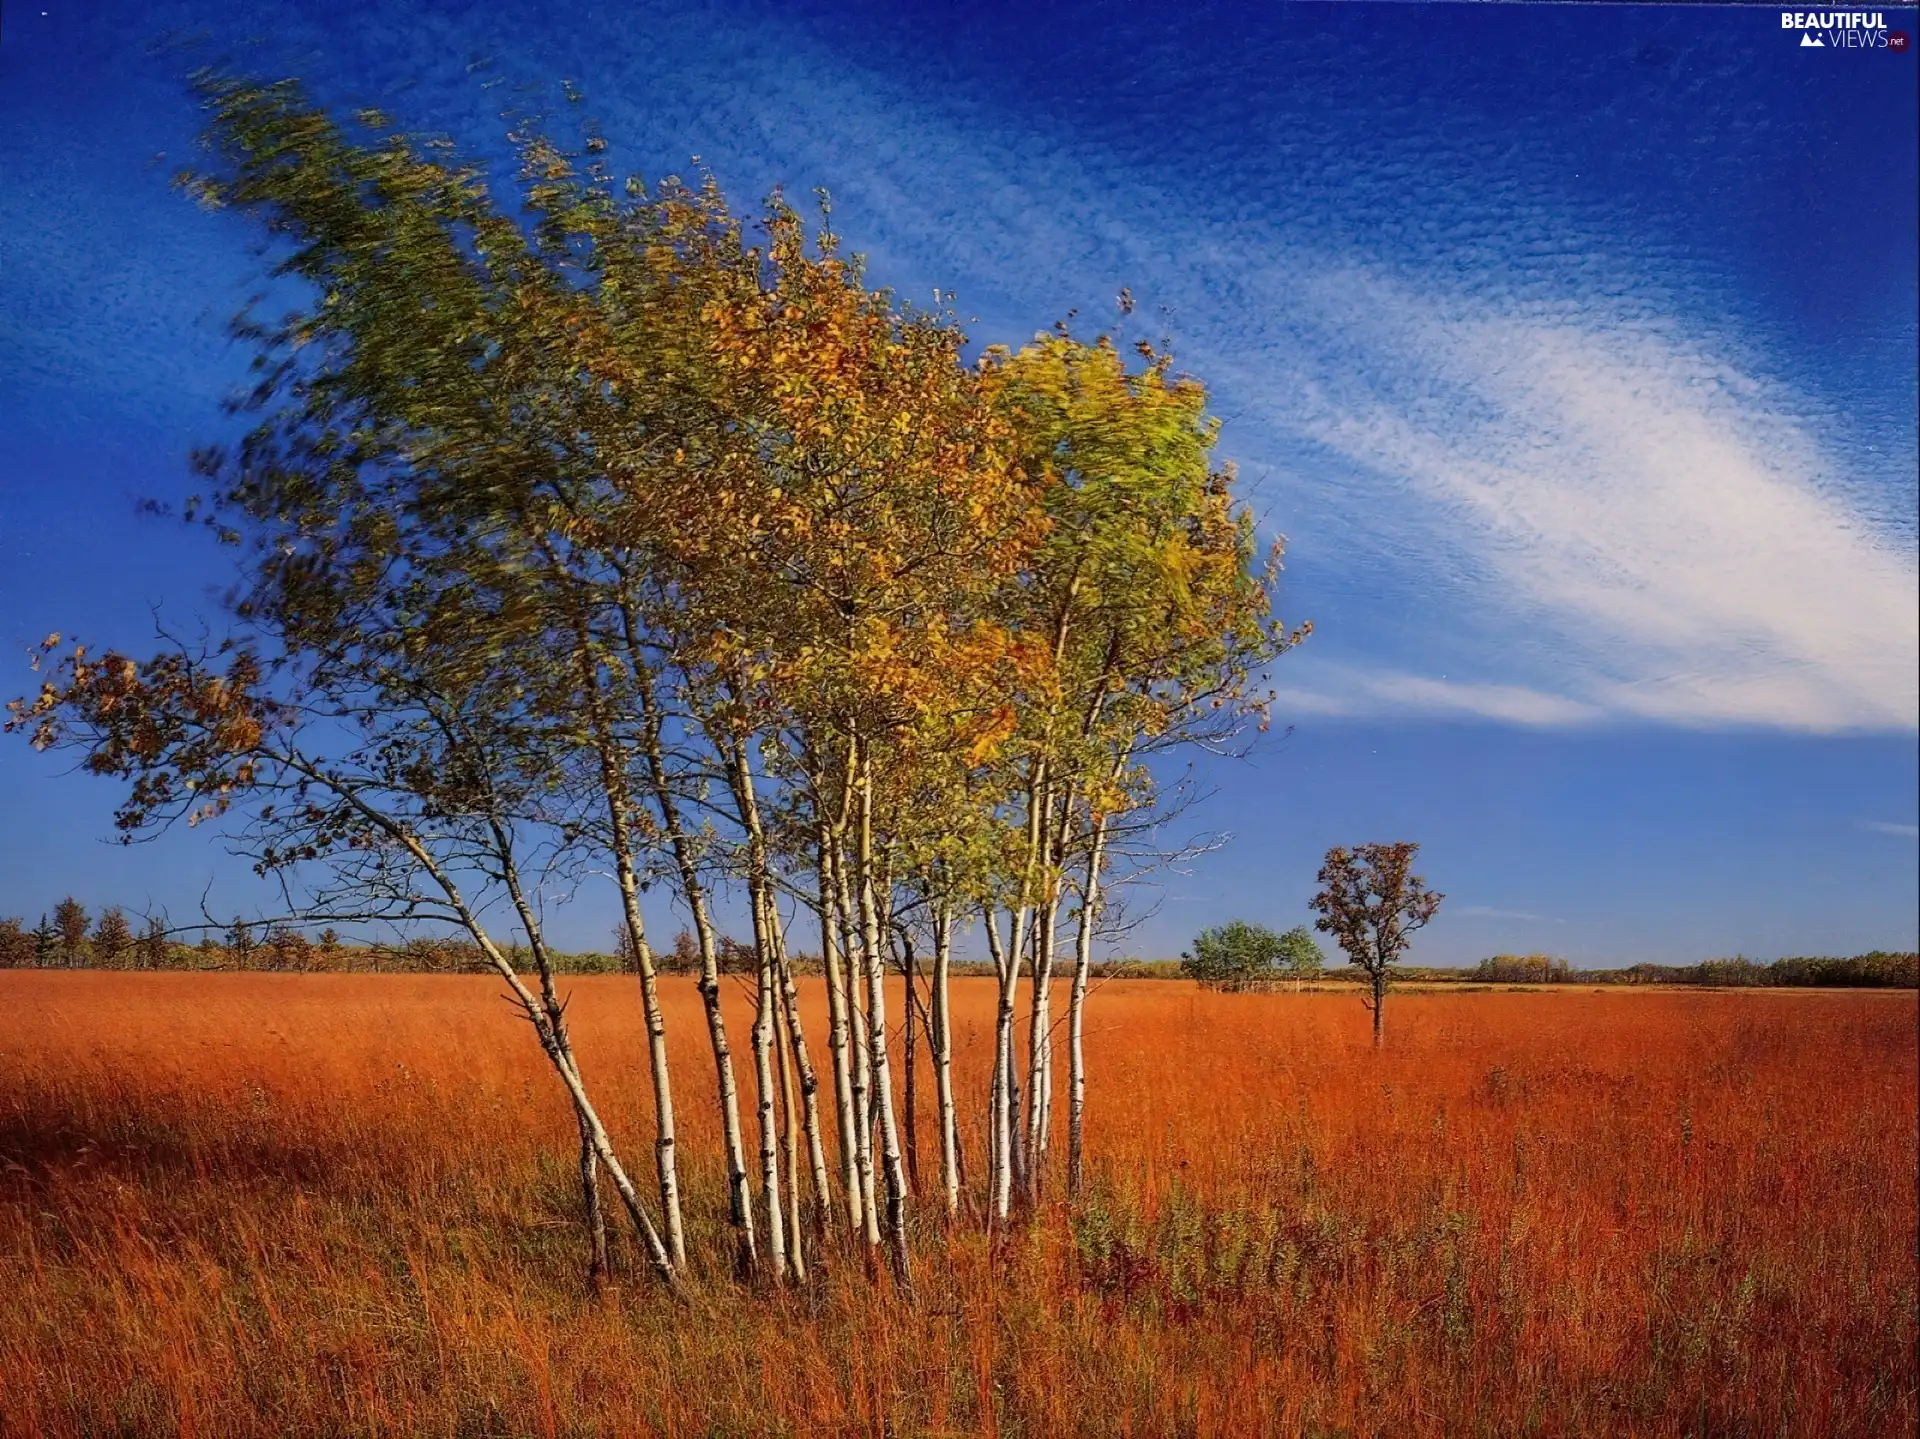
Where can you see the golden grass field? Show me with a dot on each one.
(289, 1205)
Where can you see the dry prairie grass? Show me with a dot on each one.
(263, 1204)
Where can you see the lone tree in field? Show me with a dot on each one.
(1371, 902)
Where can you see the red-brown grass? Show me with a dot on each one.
(265, 1204)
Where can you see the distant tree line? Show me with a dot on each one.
(1235, 956)
(68, 937)
(1879, 969)
(1523, 969)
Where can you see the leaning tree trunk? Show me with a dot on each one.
(666, 1161)
(739, 1190)
(767, 1002)
(614, 787)
(548, 1016)
(808, 1083)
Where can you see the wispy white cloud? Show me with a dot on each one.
(1533, 494)
(1882, 826)
(1352, 690)
(1487, 911)
(1659, 516)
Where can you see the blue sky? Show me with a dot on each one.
(1573, 349)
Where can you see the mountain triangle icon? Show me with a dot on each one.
(1809, 42)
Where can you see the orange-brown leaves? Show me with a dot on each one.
(172, 726)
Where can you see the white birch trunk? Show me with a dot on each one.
(739, 1191)
(596, 1218)
(769, 1132)
(546, 1014)
(896, 1226)
(796, 1259)
(1000, 1116)
(809, 1087)
(1077, 1009)
(666, 1160)
(941, 1043)
(833, 961)
(863, 1097)
(1040, 1043)
(613, 784)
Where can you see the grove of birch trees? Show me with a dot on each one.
(597, 531)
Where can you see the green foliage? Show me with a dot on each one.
(1300, 954)
(1234, 955)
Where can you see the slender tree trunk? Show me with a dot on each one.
(559, 1050)
(1379, 1007)
(666, 1161)
(733, 1134)
(767, 1001)
(597, 1264)
(1058, 809)
(1040, 1044)
(614, 786)
(548, 1015)
(613, 759)
(1003, 1099)
(839, 1045)
(789, 1129)
(909, 1052)
(896, 1226)
(809, 1086)
(940, 1041)
(763, 1078)
(1077, 1011)
(739, 1190)
(852, 939)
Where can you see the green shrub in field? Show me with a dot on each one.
(1239, 955)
